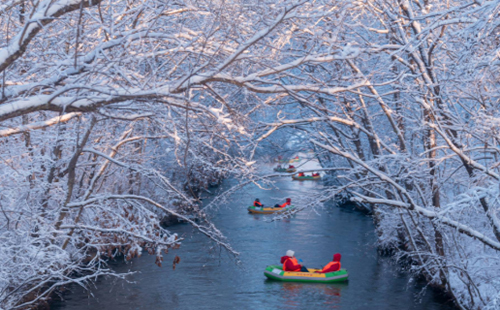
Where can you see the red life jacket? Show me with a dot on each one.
(331, 267)
(257, 204)
(294, 261)
(285, 204)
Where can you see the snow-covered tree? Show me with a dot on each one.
(413, 132)
(115, 113)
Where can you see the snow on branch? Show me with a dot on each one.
(45, 12)
(434, 216)
(38, 125)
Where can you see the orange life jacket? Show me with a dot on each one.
(294, 260)
(257, 204)
(330, 265)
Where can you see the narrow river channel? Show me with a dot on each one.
(208, 280)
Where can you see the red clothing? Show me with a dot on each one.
(257, 204)
(285, 204)
(301, 174)
(290, 263)
(333, 265)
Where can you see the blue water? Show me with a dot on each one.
(208, 278)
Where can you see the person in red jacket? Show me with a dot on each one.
(333, 265)
(301, 174)
(290, 263)
(287, 203)
(257, 203)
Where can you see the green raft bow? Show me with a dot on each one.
(275, 272)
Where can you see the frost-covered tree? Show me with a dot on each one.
(413, 132)
(115, 113)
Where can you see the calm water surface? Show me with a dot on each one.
(207, 279)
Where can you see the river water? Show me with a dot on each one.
(209, 279)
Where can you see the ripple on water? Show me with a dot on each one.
(206, 280)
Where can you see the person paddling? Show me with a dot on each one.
(287, 203)
(333, 265)
(257, 203)
(290, 263)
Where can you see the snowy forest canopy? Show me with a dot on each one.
(114, 113)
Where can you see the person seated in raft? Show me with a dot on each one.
(279, 166)
(287, 203)
(291, 166)
(315, 175)
(333, 265)
(290, 263)
(301, 174)
(257, 203)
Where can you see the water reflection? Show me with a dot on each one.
(205, 280)
(325, 294)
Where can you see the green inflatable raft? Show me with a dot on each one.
(275, 272)
(267, 210)
(306, 178)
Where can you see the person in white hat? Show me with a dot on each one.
(290, 263)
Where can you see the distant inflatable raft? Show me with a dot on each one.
(275, 272)
(289, 161)
(307, 177)
(289, 170)
(266, 210)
